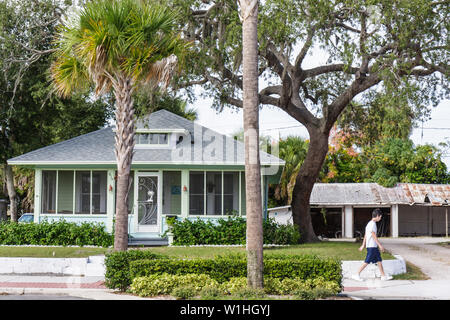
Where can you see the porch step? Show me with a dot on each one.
(148, 242)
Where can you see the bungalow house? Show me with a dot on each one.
(179, 168)
(343, 209)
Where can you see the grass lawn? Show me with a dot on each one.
(51, 252)
(340, 250)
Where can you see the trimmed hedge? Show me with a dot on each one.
(117, 265)
(189, 285)
(229, 231)
(223, 269)
(59, 233)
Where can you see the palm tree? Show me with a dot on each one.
(293, 151)
(249, 16)
(118, 45)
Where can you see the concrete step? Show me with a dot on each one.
(148, 242)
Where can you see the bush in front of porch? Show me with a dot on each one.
(230, 231)
(58, 233)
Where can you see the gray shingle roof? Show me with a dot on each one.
(356, 193)
(98, 147)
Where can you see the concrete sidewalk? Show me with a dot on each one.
(51, 285)
(423, 252)
(397, 289)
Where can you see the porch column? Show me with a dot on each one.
(430, 222)
(110, 199)
(37, 194)
(185, 193)
(394, 220)
(446, 222)
(348, 221)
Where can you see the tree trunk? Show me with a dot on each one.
(249, 11)
(304, 183)
(11, 192)
(124, 154)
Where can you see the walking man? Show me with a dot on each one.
(373, 247)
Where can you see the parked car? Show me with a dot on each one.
(26, 217)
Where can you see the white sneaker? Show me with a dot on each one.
(386, 278)
(357, 277)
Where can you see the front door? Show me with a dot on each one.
(148, 202)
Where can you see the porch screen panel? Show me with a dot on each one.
(130, 193)
(214, 193)
(171, 192)
(98, 192)
(83, 192)
(48, 191)
(196, 193)
(231, 193)
(243, 207)
(65, 192)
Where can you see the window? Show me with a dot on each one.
(48, 192)
(171, 192)
(152, 138)
(69, 192)
(214, 193)
(196, 193)
(230, 193)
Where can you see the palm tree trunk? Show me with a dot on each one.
(249, 10)
(11, 192)
(124, 154)
(304, 184)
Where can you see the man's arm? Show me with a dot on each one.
(363, 244)
(374, 236)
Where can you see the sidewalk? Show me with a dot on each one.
(49, 285)
(397, 289)
(432, 259)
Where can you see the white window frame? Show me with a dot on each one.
(222, 213)
(57, 214)
(152, 145)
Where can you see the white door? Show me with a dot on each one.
(148, 205)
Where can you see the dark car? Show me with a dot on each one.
(26, 217)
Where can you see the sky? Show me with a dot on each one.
(276, 123)
(273, 122)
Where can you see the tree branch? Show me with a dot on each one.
(301, 56)
(311, 73)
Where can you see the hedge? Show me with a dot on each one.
(188, 285)
(229, 231)
(117, 265)
(223, 269)
(60, 233)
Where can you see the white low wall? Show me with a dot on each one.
(92, 266)
(391, 267)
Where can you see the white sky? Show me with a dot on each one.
(271, 118)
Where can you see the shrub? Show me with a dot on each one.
(233, 285)
(211, 293)
(304, 294)
(58, 233)
(289, 286)
(166, 283)
(230, 231)
(186, 292)
(249, 293)
(222, 269)
(117, 265)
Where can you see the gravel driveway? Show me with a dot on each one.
(433, 259)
